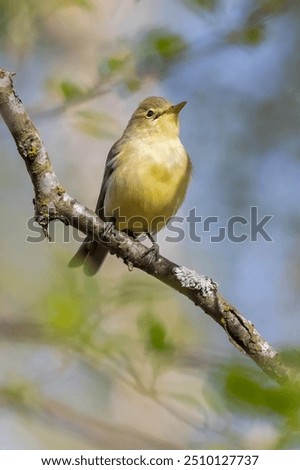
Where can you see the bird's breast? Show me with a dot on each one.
(148, 186)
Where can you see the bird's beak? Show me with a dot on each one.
(176, 108)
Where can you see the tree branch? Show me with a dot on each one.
(97, 432)
(52, 202)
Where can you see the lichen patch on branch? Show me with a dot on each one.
(192, 280)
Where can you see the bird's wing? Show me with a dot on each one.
(91, 253)
(110, 166)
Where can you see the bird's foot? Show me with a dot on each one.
(152, 252)
(108, 228)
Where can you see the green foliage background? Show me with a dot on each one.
(117, 361)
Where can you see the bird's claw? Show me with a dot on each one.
(152, 252)
(108, 228)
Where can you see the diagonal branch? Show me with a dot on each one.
(53, 202)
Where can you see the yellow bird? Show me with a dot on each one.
(146, 176)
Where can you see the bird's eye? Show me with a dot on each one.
(149, 113)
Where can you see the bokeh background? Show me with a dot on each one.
(120, 361)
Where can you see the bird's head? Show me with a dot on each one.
(156, 116)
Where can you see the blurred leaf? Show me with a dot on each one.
(64, 315)
(157, 337)
(250, 396)
(97, 124)
(133, 84)
(17, 393)
(68, 310)
(70, 90)
(240, 387)
(250, 36)
(117, 63)
(253, 32)
(123, 66)
(164, 43)
(205, 4)
(253, 36)
(121, 62)
(157, 50)
(155, 334)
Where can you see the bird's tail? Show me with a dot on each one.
(91, 255)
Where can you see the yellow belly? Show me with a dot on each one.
(143, 197)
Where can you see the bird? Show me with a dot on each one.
(146, 176)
